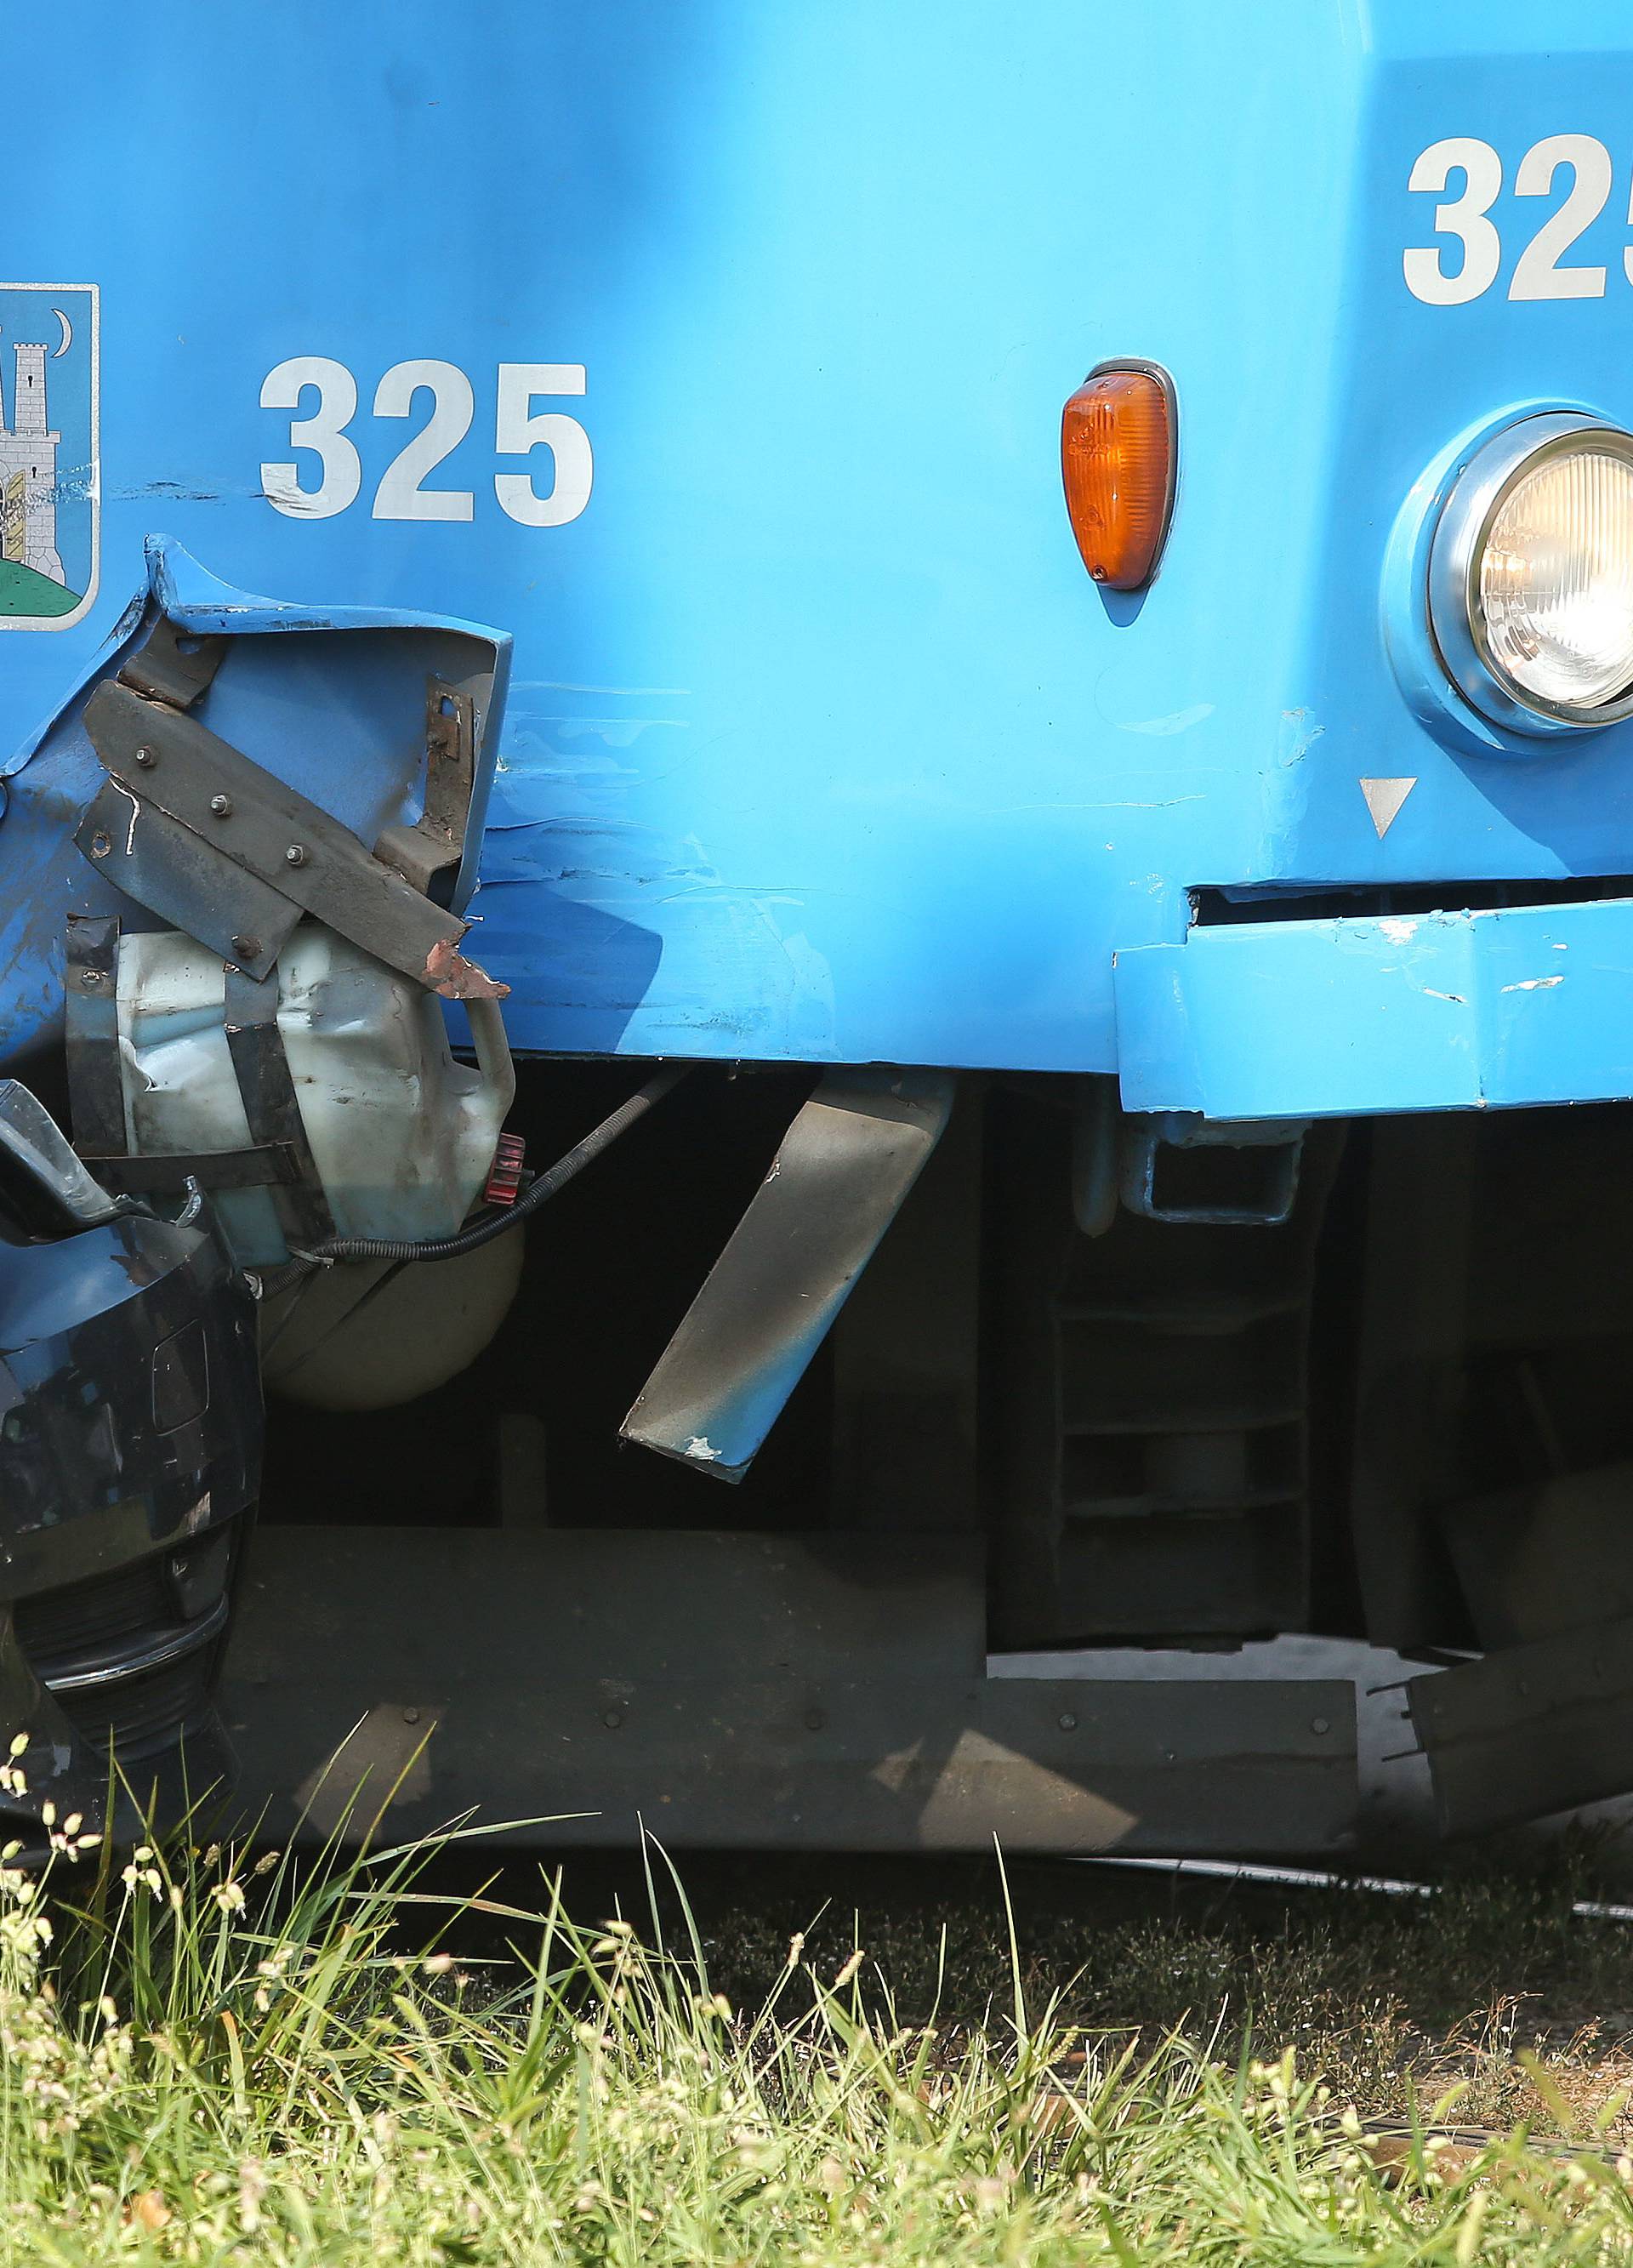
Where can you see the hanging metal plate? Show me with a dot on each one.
(839, 1178)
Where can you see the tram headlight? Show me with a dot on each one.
(1530, 575)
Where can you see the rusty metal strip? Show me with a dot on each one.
(435, 841)
(270, 1103)
(167, 1173)
(166, 867)
(96, 1094)
(255, 822)
(95, 1090)
(174, 665)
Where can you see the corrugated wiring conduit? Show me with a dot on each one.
(539, 1191)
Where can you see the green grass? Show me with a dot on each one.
(213, 2056)
(23, 592)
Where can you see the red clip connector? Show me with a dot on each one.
(504, 1176)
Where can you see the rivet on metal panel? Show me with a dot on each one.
(1320, 1725)
(239, 815)
(248, 947)
(1068, 1723)
(611, 1719)
(410, 1715)
(814, 1720)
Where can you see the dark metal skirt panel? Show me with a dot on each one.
(734, 1690)
(1530, 1730)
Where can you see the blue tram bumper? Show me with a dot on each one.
(1428, 1011)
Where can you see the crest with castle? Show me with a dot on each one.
(29, 559)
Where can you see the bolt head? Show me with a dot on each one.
(248, 947)
(296, 854)
(611, 1719)
(1068, 1722)
(1320, 1725)
(222, 806)
(90, 976)
(146, 759)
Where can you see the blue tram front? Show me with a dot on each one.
(850, 789)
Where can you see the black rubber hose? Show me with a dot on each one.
(539, 1191)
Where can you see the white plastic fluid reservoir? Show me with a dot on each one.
(402, 1136)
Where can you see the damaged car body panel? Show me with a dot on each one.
(131, 1432)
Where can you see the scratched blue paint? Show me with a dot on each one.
(820, 743)
(1432, 1012)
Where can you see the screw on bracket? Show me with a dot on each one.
(247, 948)
(296, 854)
(146, 758)
(222, 806)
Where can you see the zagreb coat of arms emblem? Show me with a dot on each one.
(49, 500)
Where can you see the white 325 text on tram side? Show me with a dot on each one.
(1468, 236)
(328, 392)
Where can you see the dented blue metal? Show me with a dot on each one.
(332, 700)
(743, 333)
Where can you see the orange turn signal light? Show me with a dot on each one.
(1117, 461)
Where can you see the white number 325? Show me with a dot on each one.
(402, 493)
(1464, 220)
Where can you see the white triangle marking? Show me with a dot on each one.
(1384, 799)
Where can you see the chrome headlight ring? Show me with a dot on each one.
(1456, 613)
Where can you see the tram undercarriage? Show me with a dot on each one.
(1048, 1434)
